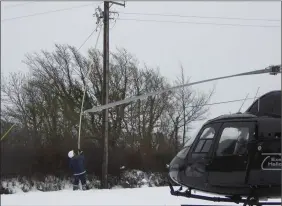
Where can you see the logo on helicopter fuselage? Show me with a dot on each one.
(272, 161)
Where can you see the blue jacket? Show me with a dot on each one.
(77, 164)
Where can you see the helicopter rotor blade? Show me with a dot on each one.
(273, 70)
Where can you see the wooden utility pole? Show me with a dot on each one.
(105, 92)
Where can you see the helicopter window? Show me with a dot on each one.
(205, 141)
(208, 133)
(207, 146)
(233, 140)
(189, 142)
(182, 154)
(199, 146)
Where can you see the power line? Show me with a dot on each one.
(46, 12)
(203, 23)
(151, 14)
(203, 17)
(90, 36)
(98, 24)
(84, 89)
(16, 5)
(87, 39)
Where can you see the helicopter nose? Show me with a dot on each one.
(176, 165)
(174, 172)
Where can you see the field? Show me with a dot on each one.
(136, 196)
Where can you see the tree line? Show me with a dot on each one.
(45, 106)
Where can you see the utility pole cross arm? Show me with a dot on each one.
(118, 3)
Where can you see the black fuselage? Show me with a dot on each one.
(233, 155)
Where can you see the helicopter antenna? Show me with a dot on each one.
(272, 70)
(243, 103)
(258, 103)
(256, 95)
(258, 99)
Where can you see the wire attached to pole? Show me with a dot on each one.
(84, 91)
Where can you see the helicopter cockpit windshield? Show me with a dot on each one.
(189, 142)
(207, 133)
(184, 151)
(178, 162)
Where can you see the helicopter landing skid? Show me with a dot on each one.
(250, 201)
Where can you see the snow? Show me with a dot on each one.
(137, 196)
(51, 81)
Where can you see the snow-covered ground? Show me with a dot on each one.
(138, 196)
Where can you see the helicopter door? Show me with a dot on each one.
(228, 166)
(198, 158)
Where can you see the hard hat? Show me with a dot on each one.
(71, 154)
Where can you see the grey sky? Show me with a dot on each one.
(205, 51)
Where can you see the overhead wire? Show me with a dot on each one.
(86, 75)
(85, 86)
(88, 37)
(203, 23)
(46, 12)
(17, 5)
(200, 17)
(65, 9)
(159, 21)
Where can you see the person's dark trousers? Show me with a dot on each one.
(82, 179)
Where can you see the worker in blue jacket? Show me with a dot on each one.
(77, 166)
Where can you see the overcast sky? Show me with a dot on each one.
(204, 50)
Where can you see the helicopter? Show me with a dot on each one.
(236, 155)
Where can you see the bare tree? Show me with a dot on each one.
(47, 104)
(188, 107)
